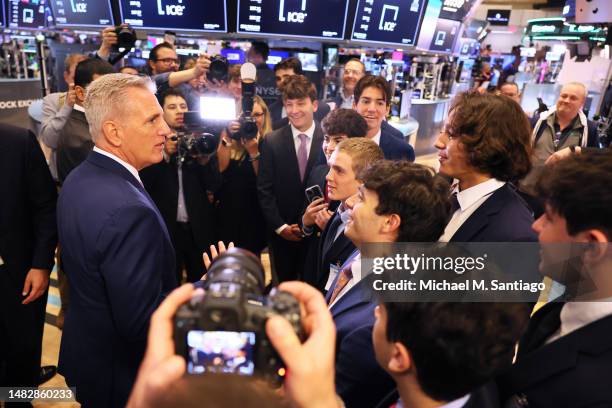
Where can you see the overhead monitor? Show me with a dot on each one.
(569, 9)
(293, 18)
(24, 14)
(82, 13)
(474, 29)
(233, 55)
(276, 56)
(2, 16)
(175, 15)
(309, 60)
(444, 37)
(388, 21)
(455, 9)
(498, 17)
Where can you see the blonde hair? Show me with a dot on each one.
(108, 96)
(363, 152)
(237, 151)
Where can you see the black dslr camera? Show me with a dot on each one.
(248, 127)
(196, 139)
(223, 331)
(126, 37)
(218, 69)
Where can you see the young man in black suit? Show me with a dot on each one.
(287, 157)
(179, 189)
(28, 237)
(373, 101)
(566, 352)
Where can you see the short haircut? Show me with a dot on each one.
(233, 72)
(153, 54)
(357, 60)
(373, 81)
(345, 122)
(579, 85)
(298, 87)
(108, 96)
(511, 83)
(123, 68)
(72, 59)
(363, 152)
(86, 69)
(261, 48)
(415, 193)
(171, 92)
(579, 189)
(290, 63)
(456, 347)
(495, 133)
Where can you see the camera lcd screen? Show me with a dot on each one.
(217, 108)
(220, 352)
(82, 13)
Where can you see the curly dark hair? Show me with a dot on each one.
(495, 133)
(298, 87)
(290, 63)
(415, 193)
(456, 347)
(345, 122)
(579, 189)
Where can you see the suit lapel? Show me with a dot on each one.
(356, 296)
(315, 150)
(288, 153)
(480, 218)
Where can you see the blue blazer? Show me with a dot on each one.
(386, 127)
(360, 381)
(394, 148)
(503, 217)
(119, 261)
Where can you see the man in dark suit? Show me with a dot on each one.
(116, 250)
(283, 70)
(485, 147)
(568, 344)
(28, 237)
(349, 158)
(287, 157)
(373, 101)
(184, 204)
(398, 202)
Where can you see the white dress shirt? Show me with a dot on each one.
(128, 166)
(296, 140)
(470, 200)
(376, 138)
(356, 271)
(576, 315)
(458, 403)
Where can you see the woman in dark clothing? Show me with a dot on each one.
(239, 216)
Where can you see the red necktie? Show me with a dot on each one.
(346, 275)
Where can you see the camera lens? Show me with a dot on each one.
(203, 144)
(238, 266)
(218, 69)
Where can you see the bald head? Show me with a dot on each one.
(571, 100)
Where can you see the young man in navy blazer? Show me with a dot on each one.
(398, 202)
(372, 101)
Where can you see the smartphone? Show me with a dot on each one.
(313, 192)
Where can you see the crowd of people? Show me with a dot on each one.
(134, 217)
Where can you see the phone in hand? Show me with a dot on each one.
(313, 192)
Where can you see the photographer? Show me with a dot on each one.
(239, 214)
(179, 189)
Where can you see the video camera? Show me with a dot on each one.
(126, 37)
(248, 126)
(223, 331)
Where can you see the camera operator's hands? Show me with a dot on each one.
(322, 217)
(214, 253)
(161, 367)
(292, 233)
(251, 146)
(308, 219)
(70, 96)
(233, 127)
(310, 365)
(109, 39)
(202, 65)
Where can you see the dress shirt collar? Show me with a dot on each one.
(376, 138)
(575, 315)
(309, 132)
(471, 195)
(128, 166)
(356, 267)
(78, 107)
(347, 101)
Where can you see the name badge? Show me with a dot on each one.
(333, 272)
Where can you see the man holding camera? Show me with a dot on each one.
(179, 186)
(116, 251)
(287, 157)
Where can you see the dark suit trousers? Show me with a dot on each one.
(188, 255)
(21, 332)
(286, 258)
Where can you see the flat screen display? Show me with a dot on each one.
(27, 14)
(234, 56)
(388, 21)
(293, 18)
(455, 9)
(82, 13)
(275, 57)
(220, 352)
(2, 17)
(309, 60)
(498, 17)
(444, 37)
(175, 15)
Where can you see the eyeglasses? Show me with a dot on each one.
(257, 115)
(168, 61)
(352, 72)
